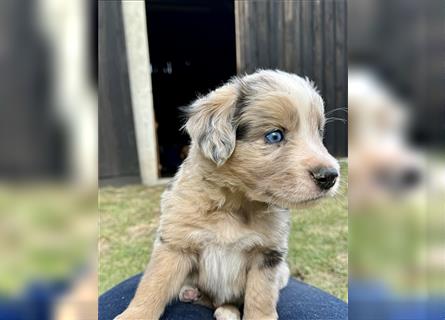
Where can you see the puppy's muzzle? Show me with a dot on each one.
(324, 178)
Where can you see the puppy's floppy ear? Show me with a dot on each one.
(210, 123)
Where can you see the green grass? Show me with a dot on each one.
(318, 244)
(47, 232)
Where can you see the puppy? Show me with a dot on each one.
(256, 150)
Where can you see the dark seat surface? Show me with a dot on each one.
(297, 301)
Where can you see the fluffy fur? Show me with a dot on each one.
(224, 223)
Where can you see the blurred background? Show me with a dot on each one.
(48, 159)
(396, 159)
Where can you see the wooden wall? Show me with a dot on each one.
(304, 37)
(117, 144)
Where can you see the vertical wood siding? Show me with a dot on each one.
(306, 37)
(117, 144)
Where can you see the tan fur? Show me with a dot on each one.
(224, 226)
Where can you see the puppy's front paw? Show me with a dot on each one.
(227, 313)
(189, 294)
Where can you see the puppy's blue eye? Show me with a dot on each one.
(274, 136)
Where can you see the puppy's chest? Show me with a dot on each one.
(223, 272)
(224, 262)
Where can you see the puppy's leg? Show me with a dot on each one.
(161, 282)
(262, 290)
(227, 312)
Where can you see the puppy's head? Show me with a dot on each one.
(263, 132)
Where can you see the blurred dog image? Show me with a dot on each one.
(383, 165)
(256, 150)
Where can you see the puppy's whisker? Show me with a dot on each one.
(328, 113)
(332, 119)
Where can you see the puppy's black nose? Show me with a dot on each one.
(324, 177)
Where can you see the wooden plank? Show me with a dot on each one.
(273, 36)
(279, 20)
(262, 35)
(239, 34)
(307, 38)
(329, 68)
(251, 20)
(108, 165)
(298, 39)
(289, 45)
(243, 36)
(117, 148)
(341, 75)
(317, 49)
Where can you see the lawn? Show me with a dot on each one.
(47, 233)
(318, 243)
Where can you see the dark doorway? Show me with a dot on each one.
(192, 51)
